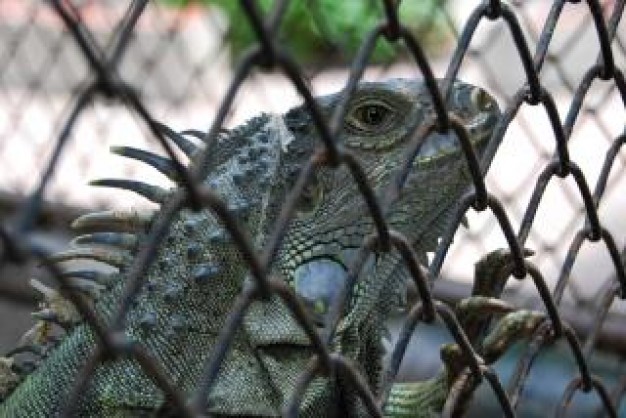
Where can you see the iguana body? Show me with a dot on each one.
(190, 288)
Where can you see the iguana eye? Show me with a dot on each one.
(370, 117)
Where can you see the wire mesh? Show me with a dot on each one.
(93, 73)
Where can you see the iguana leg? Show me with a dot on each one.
(475, 314)
(8, 378)
(510, 329)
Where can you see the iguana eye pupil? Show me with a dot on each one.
(373, 115)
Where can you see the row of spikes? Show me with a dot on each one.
(164, 165)
(111, 238)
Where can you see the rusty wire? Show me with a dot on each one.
(268, 54)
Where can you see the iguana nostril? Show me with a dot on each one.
(481, 99)
(318, 283)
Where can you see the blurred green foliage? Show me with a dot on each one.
(319, 30)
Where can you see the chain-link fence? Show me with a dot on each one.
(76, 77)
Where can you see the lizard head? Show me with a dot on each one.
(332, 218)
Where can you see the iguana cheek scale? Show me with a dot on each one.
(189, 290)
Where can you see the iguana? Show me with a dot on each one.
(189, 290)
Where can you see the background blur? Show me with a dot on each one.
(181, 59)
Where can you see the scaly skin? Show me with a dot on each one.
(188, 292)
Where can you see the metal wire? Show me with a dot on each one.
(103, 80)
